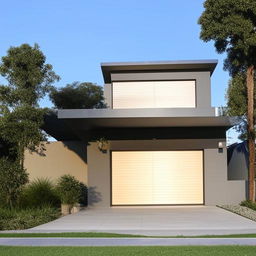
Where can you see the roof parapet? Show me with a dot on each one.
(160, 66)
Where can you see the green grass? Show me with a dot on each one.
(249, 204)
(94, 234)
(78, 234)
(130, 251)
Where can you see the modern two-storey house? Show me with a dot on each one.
(158, 142)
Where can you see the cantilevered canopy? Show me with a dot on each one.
(147, 118)
(85, 124)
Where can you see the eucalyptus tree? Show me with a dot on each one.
(28, 78)
(78, 95)
(231, 24)
(236, 97)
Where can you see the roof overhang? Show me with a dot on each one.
(156, 66)
(86, 124)
(87, 119)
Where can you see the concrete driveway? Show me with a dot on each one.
(162, 221)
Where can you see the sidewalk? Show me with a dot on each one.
(125, 241)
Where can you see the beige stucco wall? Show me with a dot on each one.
(59, 158)
(218, 190)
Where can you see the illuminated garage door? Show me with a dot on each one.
(157, 177)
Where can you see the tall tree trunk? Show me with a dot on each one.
(21, 152)
(250, 130)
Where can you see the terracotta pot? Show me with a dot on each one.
(76, 208)
(65, 209)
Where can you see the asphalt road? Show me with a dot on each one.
(125, 241)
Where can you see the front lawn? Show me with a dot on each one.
(130, 251)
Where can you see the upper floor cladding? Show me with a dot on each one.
(167, 84)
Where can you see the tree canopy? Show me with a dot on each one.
(237, 96)
(29, 78)
(237, 102)
(231, 24)
(78, 96)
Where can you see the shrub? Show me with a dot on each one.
(38, 193)
(249, 204)
(12, 179)
(12, 219)
(69, 190)
(83, 194)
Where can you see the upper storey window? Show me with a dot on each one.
(154, 94)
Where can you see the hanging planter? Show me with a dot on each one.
(102, 145)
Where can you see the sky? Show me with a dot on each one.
(77, 35)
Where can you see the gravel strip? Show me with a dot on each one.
(240, 210)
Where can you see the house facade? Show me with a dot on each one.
(164, 144)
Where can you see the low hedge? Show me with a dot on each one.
(249, 204)
(14, 219)
(68, 189)
(39, 193)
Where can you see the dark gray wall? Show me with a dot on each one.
(218, 189)
(158, 133)
(107, 95)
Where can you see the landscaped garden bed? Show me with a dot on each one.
(242, 209)
(13, 219)
(39, 202)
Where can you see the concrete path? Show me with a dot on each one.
(125, 241)
(154, 221)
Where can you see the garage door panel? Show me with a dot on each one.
(157, 177)
(178, 177)
(130, 186)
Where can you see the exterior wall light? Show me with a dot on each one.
(102, 145)
(221, 145)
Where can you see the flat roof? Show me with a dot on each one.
(164, 66)
(87, 119)
(76, 124)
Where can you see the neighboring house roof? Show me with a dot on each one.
(238, 161)
(239, 148)
(181, 65)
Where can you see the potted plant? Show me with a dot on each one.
(69, 190)
(102, 145)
